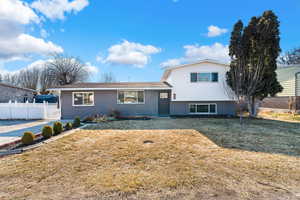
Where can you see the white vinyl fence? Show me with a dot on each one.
(14, 110)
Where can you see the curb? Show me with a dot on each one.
(30, 147)
(16, 141)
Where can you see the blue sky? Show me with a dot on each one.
(134, 38)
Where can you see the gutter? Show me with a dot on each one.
(79, 89)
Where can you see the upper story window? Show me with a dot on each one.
(83, 98)
(131, 97)
(204, 77)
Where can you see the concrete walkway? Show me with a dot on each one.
(11, 131)
(17, 125)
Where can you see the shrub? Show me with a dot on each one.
(57, 128)
(114, 113)
(89, 119)
(101, 119)
(68, 126)
(47, 132)
(76, 122)
(28, 138)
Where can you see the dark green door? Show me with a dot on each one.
(164, 103)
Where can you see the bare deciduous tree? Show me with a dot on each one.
(108, 77)
(11, 78)
(29, 78)
(291, 57)
(45, 80)
(64, 70)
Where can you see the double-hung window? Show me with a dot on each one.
(203, 108)
(83, 98)
(131, 97)
(204, 77)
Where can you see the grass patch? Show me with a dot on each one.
(176, 164)
(280, 116)
(259, 135)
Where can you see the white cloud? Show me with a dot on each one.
(216, 51)
(15, 44)
(193, 53)
(172, 62)
(44, 33)
(91, 68)
(42, 63)
(36, 64)
(100, 58)
(56, 9)
(18, 47)
(17, 11)
(130, 53)
(214, 31)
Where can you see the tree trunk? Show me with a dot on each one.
(252, 106)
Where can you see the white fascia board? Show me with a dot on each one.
(81, 89)
(203, 100)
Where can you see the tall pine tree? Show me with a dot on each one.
(254, 51)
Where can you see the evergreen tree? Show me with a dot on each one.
(254, 51)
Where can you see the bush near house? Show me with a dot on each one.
(76, 122)
(114, 113)
(28, 138)
(57, 128)
(47, 132)
(68, 126)
(89, 119)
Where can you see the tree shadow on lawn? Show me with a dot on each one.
(258, 135)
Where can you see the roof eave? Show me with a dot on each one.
(81, 89)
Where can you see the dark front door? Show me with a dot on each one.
(164, 103)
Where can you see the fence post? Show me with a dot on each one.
(27, 110)
(9, 106)
(45, 110)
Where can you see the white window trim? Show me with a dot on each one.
(130, 91)
(210, 81)
(83, 104)
(200, 113)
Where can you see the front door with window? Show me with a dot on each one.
(164, 103)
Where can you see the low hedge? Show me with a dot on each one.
(68, 126)
(76, 122)
(28, 138)
(57, 128)
(47, 132)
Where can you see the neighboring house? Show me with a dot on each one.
(13, 93)
(289, 98)
(191, 89)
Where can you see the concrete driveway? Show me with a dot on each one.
(12, 130)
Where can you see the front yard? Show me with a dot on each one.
(161, 159)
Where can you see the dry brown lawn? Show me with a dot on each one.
(172, 164)
(289, 117)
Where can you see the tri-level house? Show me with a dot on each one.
(191, 89)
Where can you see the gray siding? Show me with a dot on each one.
(223, 107)
(298, 84)
(105, 101)
(287, 78)
(14, 94)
